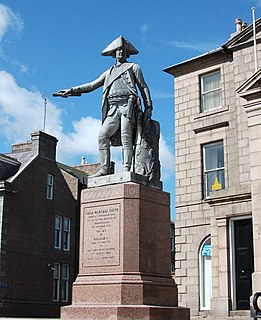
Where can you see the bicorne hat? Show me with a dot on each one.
(118, 43)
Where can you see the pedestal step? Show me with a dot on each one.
(124, 312)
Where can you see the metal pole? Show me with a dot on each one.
(45, 104)
(254, 36)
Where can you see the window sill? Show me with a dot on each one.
(211, 112)
(234, 194)
(210, 120)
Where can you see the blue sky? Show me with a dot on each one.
(47, 45)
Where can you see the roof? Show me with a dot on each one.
(223, 52)
(8, 166)
(80, 175)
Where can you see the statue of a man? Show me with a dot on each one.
(121, 105)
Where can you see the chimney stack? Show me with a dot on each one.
(238, 25)
(44, 144)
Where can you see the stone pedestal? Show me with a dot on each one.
(124, 269)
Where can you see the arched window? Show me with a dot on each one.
(205, 274)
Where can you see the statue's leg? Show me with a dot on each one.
(105, 163)
(108, 129)
(127, 143)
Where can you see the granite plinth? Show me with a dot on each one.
(124, 312)
(122, 178)
(124, 267)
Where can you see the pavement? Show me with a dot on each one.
(243, 316)
(192, 318)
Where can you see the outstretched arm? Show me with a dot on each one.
(84, 88)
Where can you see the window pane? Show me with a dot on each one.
(215, 181)
(66, 241)
(50, 179)
(214, 156)
(56, 281)
(211, 81)
(58, 222)
(210, 91)
(66, 224)
(205, 275)
(211, 100)
(65, 283)
(58, 232)
(213, 168)
(49, 187)
(66, 233)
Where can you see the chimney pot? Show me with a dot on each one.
(82, 160)
(238, 25)
(244, 25)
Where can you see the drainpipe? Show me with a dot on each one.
(254, 35)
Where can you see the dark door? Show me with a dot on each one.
(244, 262)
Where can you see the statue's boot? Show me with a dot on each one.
(127, 155)
(105, 163)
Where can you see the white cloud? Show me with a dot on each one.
(144, 28)
(161, 94)
(22, 67)
(22, 110)
(9, 20)
(82, 140)
(196, 46)
(167, 159)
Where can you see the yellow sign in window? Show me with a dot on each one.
(216, 185)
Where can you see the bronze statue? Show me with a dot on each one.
(122, 116)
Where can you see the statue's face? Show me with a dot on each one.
(121, 54)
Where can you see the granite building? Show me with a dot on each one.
(39, 226)
(218, 175)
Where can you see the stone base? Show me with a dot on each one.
(124, 312)
(127, 289)
(124, 263)
(122, 177)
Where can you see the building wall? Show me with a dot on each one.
(29, 241)
(198, 218)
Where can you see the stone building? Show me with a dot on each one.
(39, 227)
(218, 175)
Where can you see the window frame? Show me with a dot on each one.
(65, 278)
(66, 234)
(56, 281)
(203, 93)
(58, 232)
(202, 275)
(50, 187)
(62, 235)
(61, 281)
(205, 172)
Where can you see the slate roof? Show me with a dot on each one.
(8, 166)
(80, 175)
(24, 158)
